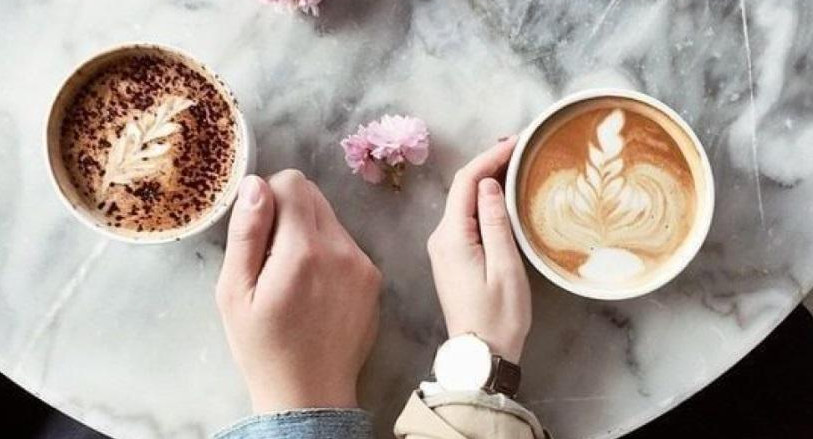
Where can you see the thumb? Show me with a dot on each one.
(495, 229)
(249, 231)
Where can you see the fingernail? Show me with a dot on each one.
(249, 194)
(489, 186)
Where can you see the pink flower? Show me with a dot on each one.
(358, 155)
(306, 6)
(383, 148)
(396, 138)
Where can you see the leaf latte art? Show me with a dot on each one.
(620, 212)
(138, 151)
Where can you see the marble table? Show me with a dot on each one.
(127, 339)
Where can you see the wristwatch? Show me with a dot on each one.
(465, 363)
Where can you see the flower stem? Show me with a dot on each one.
(394, 175)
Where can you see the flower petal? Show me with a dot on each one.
(371, 172)
(417, 155)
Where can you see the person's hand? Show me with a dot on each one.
(298, 298)
(479, 275)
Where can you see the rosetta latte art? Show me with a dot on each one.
(620, 217)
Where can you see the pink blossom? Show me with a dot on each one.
(306, 6)
(358, 155)
(382, 149)
(396, 138)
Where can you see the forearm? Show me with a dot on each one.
(303, 424)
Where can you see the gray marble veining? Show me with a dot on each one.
(127, 338)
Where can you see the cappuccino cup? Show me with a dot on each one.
(610, 193)
(146, 145)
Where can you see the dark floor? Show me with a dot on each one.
(769, 394)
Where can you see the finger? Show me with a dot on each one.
(374, 324)
(326, 220)
(248, 236)
(295, 211)
(495, 230)
(462, 200)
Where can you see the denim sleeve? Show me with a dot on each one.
(303, 424)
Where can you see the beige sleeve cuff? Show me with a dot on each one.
(466, 415)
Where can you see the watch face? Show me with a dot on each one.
(463, 363)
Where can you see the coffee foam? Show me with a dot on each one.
(607, 195)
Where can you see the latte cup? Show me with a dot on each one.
(244, 148)
(609, 210)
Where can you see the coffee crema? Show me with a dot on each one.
(148, 142)
(607, 190)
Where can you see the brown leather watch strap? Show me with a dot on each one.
(505, 377)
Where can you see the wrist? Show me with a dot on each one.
(506, 346)
(510, 350)
(287, 396)
(297, 402)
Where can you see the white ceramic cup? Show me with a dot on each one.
(684, 253)
(244, 148)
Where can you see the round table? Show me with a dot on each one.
(127, 339)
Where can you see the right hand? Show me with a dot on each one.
(479, 275)
(298, 297)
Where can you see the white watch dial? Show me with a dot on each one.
(463, 363)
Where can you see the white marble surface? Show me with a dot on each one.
(127, 339)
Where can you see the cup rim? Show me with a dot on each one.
(695, 240)
(244, 160)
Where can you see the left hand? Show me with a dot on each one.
(298, 297)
